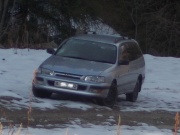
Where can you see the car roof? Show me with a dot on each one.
(111, 39)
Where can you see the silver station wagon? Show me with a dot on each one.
(92, 65)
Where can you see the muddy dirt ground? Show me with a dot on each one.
(61, 116)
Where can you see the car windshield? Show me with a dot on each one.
(88, 50)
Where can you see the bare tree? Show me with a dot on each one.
(4, 9)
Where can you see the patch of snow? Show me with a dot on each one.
(93, 130)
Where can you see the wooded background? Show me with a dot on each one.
(155, 24)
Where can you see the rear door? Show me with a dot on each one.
(135, 59)
(122, 74)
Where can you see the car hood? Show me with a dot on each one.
(75, 66)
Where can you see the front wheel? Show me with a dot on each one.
(110, 100)
(41, 93)
(132, 97)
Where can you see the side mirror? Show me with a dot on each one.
(123, 62)
(50, 51)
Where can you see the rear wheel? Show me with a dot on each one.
(41, 93)
(132, 97)
(110, 100)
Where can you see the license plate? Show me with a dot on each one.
(65, 85)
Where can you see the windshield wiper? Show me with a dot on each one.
(75, 57)
(104, 61)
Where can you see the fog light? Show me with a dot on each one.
(38, 80)
(97, 91)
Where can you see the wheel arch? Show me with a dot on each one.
(140, 80)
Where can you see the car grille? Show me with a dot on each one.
(66, 75)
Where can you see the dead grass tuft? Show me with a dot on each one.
(1, 128)
(19, 130)
(177, 124)
(118, 126)
(67, 132)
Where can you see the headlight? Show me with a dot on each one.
(38, 71)
(45, 71)
(97, 79)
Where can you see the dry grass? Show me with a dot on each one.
(1, 128)
(29, 112)
(19, 130)
(177, 124)
(67, 132)
(118, 126)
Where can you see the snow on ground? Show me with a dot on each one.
(95, 130)
(160, 91)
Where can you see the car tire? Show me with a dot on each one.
(41, 93)
(132, 97)
(110, 100)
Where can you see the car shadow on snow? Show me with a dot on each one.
(74, 98)
(84, 100)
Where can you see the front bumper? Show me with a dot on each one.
(83, 88)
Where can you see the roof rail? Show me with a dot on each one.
(118, 39)
(90, 32)
(124, 36)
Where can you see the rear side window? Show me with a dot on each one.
(129, 52)
(134, 51)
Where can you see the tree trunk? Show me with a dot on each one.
(3, 14)
(1, 7)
